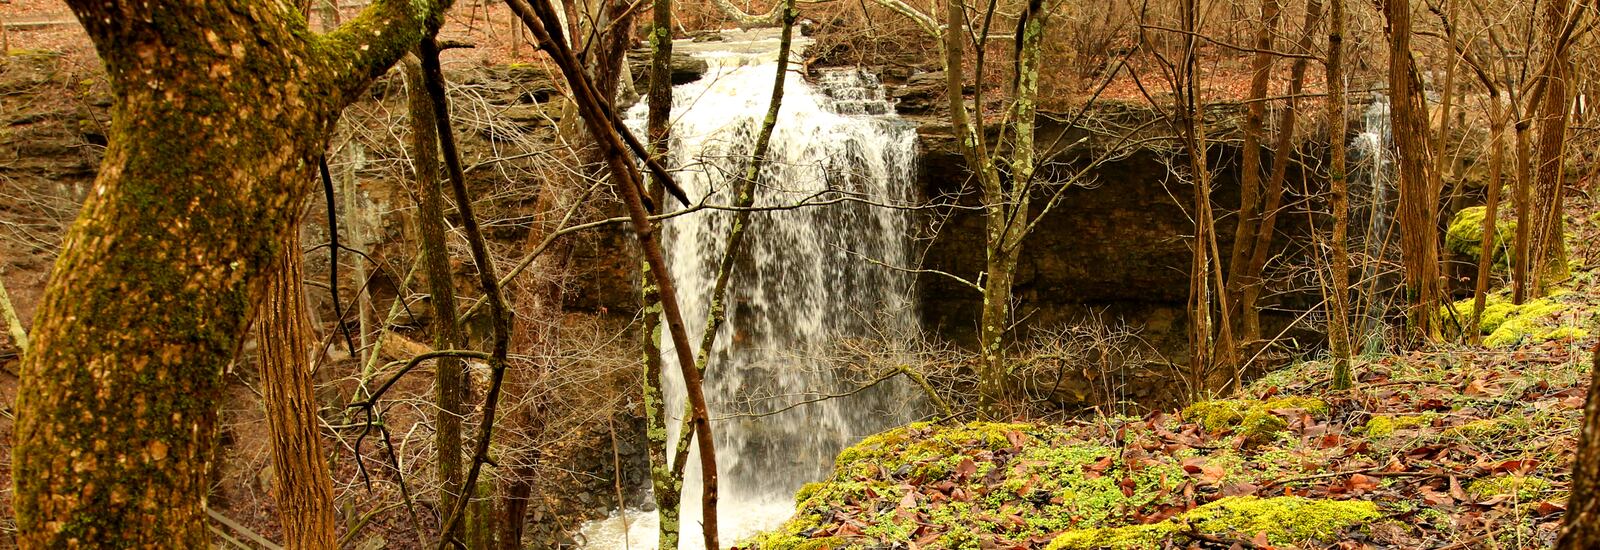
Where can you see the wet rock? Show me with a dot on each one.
(685, 68)
(921, 94)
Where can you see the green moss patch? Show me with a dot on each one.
(1505, 324)
(1254, 419)
(1522, 488)
(1284, 520)
(1465, 236)
(1384, 425)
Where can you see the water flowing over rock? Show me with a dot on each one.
(806, 279)
(1372, 208)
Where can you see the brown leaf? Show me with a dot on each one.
(1480, 388)
(1455, 489)
(1432, 497)
(1518, 466)
(1361, 483)
(1016, 438)
(966, 468)
(1546, 508)
(1237, 489)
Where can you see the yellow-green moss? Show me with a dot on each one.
(1384, 425)
(1507, 324)
(1465, 236)
(1252, 418)
(1285, 520)
(1523, 488)
(1478, 429)
(922, 441)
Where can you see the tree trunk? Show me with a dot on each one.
(450, 375)
(538, 297)
(1520, 253)
(217, 108)
(1580, 527)
(305, 487)
(1339, 202)
(666, 483)
(1240, 277)
(1418, 198)
(1548, 257)
(1283, 150)
(1491, 217)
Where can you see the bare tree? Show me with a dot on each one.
(1418, 215)
(1339, 201)
(610, 135)
(450, 376)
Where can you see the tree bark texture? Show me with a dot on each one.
(1548, 256)
(1418, 212)
(218, 107)
(304, 484)
(1339, 202)
(1580, 528)
(450, 375)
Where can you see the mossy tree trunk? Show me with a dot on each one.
(1339, 201)
(218, 107)
(450, 375)
(304, 485)
(1005, 183)
(666, 484)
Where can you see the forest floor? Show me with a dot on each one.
(1455, 446)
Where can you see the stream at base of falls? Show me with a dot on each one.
(809, 294)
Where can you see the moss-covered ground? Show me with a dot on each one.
(1456, 446)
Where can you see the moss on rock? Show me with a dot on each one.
(1465, 236)
(1252, 418)
(1505, 324)
(1285, 520)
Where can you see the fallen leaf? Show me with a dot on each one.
(1361, 483)
(1455, 489)
(966, 468)
(1547, 508)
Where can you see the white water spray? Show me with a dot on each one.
(1372, 162)
(806, 278)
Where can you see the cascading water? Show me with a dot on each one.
(1372, 179)
(802, 284)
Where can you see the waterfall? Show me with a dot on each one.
(807, 278)
(1372, 206)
